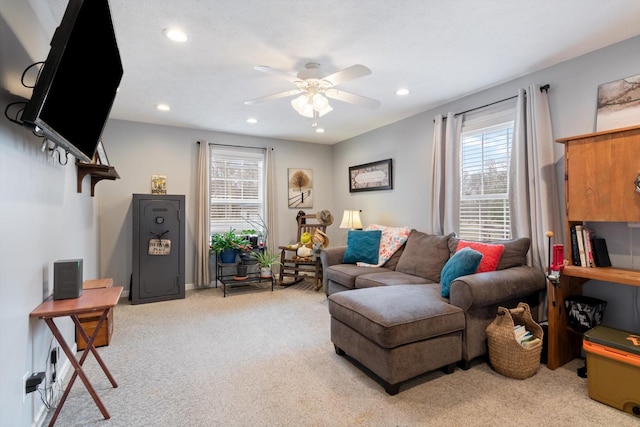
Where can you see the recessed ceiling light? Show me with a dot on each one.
(402, 92)
(175, 34)
(252, 120)
(163, 107)
(319, 130)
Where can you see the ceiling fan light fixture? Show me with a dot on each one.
(325, 110)
(300, 104)
(308, 111)
(315, 87)
(306, 104)
(320, 102)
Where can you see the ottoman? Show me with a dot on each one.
(397, 332)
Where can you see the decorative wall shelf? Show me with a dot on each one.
(97, 173)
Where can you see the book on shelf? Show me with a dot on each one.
(580, 237)
(588, 234)
(600, 252)
(575, 252)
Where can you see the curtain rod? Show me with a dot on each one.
(235, 146)
(485, 105)
(542, 88)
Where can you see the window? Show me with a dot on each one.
(237, 188)
(485, 154)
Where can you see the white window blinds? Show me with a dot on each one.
(485, 153)
(237, 187)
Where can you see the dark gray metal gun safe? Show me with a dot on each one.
(158, 248)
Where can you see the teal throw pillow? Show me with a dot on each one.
(463, 262)
(362, 246)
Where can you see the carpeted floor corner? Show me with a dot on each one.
(262, 358)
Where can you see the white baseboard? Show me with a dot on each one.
(125, 292)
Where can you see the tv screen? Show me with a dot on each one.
(77, 85)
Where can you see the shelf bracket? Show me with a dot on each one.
(97, 173)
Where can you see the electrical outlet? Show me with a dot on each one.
(25, 377)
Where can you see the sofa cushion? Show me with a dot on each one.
(388, 278)
(465, 261)
(391, 240)
(362, 246)
(514, 254)
(393, 261)
(424, 255)
(346, 274)
(491, 254)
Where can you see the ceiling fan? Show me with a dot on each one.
(315, 86)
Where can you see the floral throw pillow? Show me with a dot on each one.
(391, 240)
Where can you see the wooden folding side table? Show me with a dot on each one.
(100, 300)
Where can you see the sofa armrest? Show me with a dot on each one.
(494, 287)
(332, 256)
(328, 257)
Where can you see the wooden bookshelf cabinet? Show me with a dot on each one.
(600, 173)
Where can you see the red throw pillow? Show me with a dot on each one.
(491, 254)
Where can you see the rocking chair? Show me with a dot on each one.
(301, 267)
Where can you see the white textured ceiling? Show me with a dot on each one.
(440, 49)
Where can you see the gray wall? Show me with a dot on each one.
(572, 97)
(139, 150)
(44, 219)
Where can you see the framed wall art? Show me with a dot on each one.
(618, 104)
(371, 176)
(300, 188)
(158, 184)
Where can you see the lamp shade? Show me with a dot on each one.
(351, 220)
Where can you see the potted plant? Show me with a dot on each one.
(251, 235)
(266, 260)
(228, 244)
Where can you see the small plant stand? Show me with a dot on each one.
(231, 280)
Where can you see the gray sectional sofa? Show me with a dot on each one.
(394, 320)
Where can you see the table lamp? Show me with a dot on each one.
(351, 220)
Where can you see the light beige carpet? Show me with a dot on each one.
(262, 358)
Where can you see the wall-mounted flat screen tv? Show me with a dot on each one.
(74, 93)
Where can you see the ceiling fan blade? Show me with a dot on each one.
(352, 98)
(274, 72)
(274, 96)
(347, 74)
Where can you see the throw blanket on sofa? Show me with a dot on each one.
(391, 240)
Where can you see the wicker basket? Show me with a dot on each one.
(506, 354)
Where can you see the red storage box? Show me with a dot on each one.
(613, 368)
